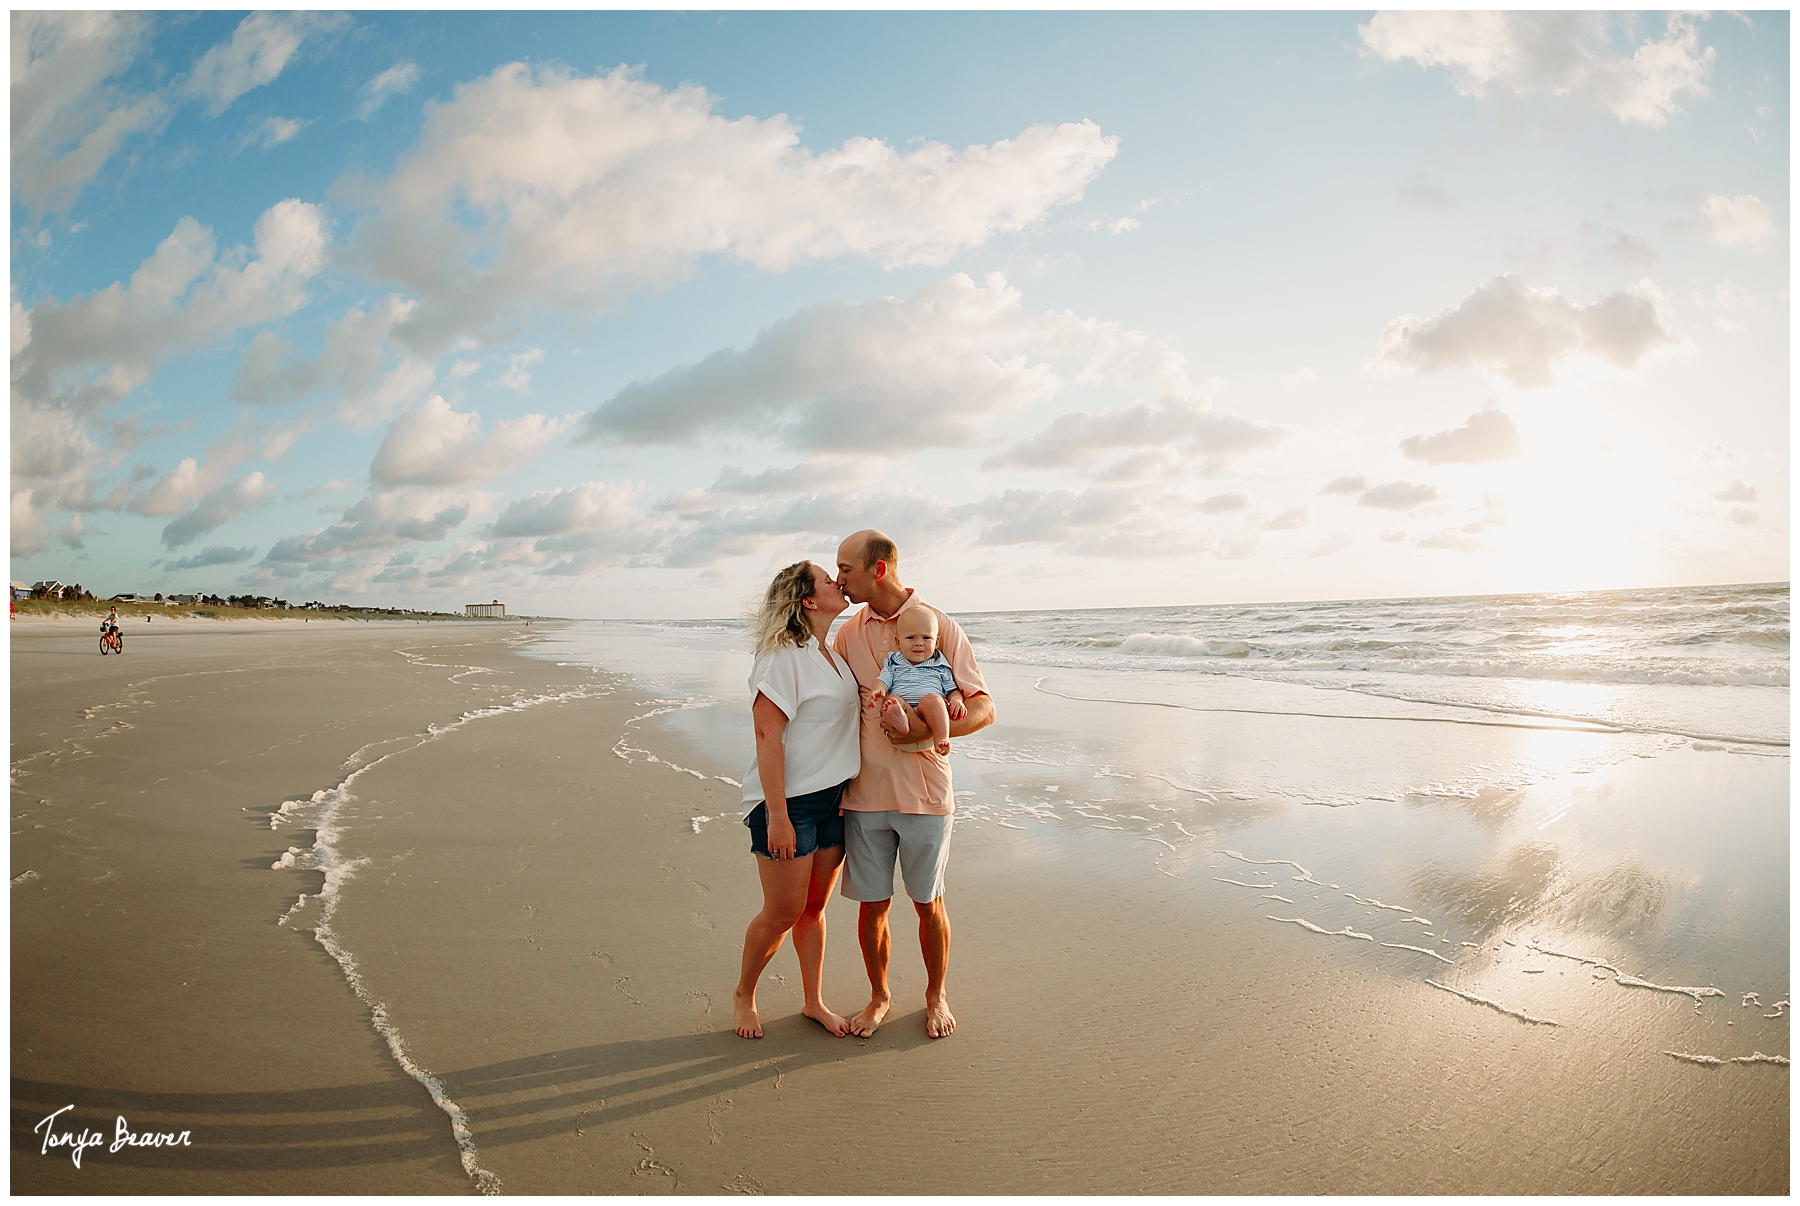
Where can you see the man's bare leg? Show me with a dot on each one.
(809, 938)
(877, 943)
(934, 943)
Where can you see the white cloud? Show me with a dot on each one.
(257, 51)
(818, 519)
(516, 377)
(392, 82)
(1398, 496)
(350, 362)
(383, 520)
(1300, 376)
(1333, 544)
(216, 509)
(71, 532)
(1417, 194)
(1289, 520)
(1394, 536)
(1489, 435)
(588, 507)
(1737, 491)
(91, 351)
(272, 131)
(67, 121)
(1220, 504)
(211, 555)
(1740, 221)
(1350, 483)
(842, 376)
(1451, 540)
(436, 446)
(1119, 226)
(1100, 521)
(1551, 53)
(574, 187)
(1189, 428)
(1743, 516)
(1506, 327)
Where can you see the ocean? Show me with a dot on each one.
(1599, 771)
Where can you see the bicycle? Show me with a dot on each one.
(111, 642)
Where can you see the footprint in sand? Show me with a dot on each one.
(649, 1166)
(716, 1109)
(622, 987)
(745, 1183)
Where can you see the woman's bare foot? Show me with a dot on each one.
(827, 1019)
(939, 1021)
(748, 1024)
(869, 1020)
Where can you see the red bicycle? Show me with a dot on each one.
(111, 642)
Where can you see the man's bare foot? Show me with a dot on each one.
(939, 1022)
(893, 716)
(824, 1017)
(748, 1024)
(869, 1020)
(942, 747)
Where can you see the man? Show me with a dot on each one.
(900, 806)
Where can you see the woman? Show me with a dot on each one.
(805, 705)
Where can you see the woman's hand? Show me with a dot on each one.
(781, 836)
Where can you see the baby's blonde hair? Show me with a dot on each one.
(782, 620)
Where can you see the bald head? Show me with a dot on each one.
(867, 547)
(866, 570)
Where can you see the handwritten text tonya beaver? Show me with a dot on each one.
(123, 1136)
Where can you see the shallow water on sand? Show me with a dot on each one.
(1631, 839)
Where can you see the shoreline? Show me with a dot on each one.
(552, 935)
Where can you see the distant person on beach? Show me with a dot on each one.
(900, 806)
(804, 706)
(917, 674)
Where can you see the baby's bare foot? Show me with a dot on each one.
(824, 1017)
(748, 1024)
(893, 716)
(942, 747)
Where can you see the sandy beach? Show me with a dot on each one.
(535, 909)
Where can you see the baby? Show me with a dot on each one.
(918, 674)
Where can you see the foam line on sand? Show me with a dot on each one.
(1514, 1013)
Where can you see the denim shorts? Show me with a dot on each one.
(815, 819)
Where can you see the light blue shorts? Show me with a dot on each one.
(874, 841)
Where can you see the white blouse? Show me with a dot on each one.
(820, 744)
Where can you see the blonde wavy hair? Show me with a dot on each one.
(781, 620)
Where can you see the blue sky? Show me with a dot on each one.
(613, 314)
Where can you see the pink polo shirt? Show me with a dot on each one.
(894, 779)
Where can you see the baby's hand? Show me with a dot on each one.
(954, 705)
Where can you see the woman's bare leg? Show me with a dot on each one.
(785, 884)
(809, 937)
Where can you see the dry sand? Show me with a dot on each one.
(555, 944)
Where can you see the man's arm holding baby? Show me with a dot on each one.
(979, 715)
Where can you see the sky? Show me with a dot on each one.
(615, 314)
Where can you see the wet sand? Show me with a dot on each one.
(553, 940)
